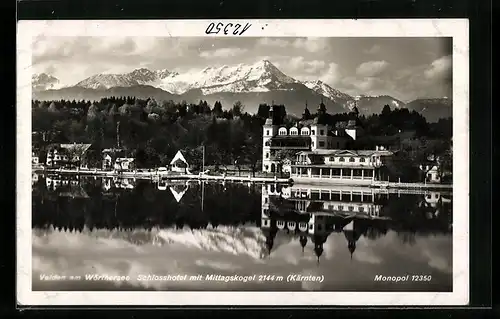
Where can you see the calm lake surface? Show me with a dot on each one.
(342, 236)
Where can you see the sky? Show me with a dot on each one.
(405, 68)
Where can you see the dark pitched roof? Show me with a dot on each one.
(77, 148)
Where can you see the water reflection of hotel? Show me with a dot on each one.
(313, 214)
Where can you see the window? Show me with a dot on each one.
(267, 167)
(265, 200)
(332, 159)
(362, 159)
(267, 132)
(341, 159)
(341, 207)
(313, 132)
(312, 143)
(351, 159)
(351, 208)
(322, 132)
(267, 155)
(361, 209)
(321, 144)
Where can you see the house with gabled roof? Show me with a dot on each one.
(179, 163)
(117, 159)
(70, 155)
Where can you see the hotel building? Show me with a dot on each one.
(342, 166)
(320, 152)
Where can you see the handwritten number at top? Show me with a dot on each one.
(228, 28)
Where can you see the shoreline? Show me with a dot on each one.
(157, 176)
(248, 178)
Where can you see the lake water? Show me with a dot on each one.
(214, 236)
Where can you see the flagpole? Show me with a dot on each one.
(203, 165)
(202, 194)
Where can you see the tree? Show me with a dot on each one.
(282, 156)
(217, 110)
(153, 117)
(53, 107)
(252, 152)
(150, 105)
(93, 112)
(75, 154)
(386, 112)
(113, 110)
(125, 109)
(182, 109)
(238, 108)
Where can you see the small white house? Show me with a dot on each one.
(35, 160)
(124, 163)
(179, 164)
(431, 173)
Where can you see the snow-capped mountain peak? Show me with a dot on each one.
(139, 76)
(44, 81)
(261, 76)
(249, 83)
(327, 91)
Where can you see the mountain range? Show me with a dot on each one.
(252, 84)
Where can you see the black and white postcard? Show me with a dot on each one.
(249, 162)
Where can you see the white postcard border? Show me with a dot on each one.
(456, 28)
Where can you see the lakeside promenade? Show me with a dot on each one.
(247, 178)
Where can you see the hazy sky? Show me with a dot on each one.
(405, 68)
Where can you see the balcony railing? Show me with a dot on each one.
(279, 147)
(337, 164)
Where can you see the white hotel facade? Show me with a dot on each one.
(321, 152)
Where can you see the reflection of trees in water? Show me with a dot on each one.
(146, 207)
(374, 233)
(407, 237)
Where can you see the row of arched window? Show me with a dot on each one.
(351, 159)
(294, 131)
